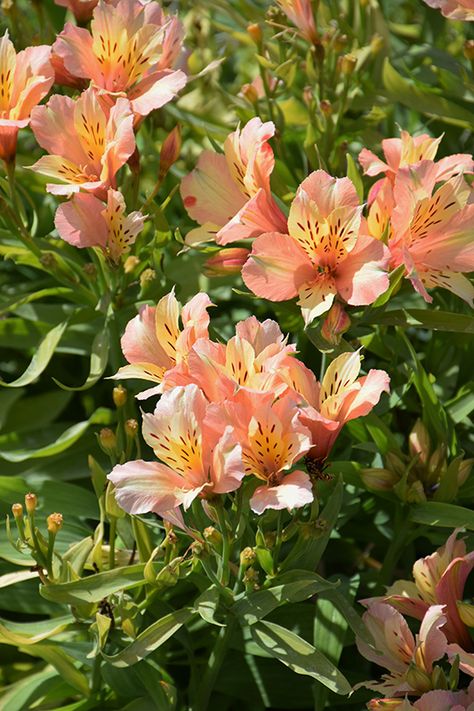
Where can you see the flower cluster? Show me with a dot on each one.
(421, 215)
(415, 663)
(245, 409)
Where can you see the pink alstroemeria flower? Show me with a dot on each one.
(154, 343)
(439, 579)
(84, 221)
(432, 230)
(252, 359)
(229, 195)
(87, 146)
(81, 9)
(454, 9)
(409, 659)
(195, 460)
(437, 700)
(340, 397)
(273, 439)
(25, 78)
(300, 12)
(129, 52)
(324, 254)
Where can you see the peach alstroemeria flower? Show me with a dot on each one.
(432, 229)
(195, 461)
(409, 659)
(273, 440)
(81, 9)
(87, 146)
(439, 579)
(324, 254)
(229, 195)
(25, 78)
(300, 12)
(341, 396)
(252, 359)
(129, 52)
(454, 9)
(84, 221)
(437, 700)
(154, 343)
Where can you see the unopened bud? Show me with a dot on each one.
(438, 678)
(108, 440)
(270, 539)
(416, 493)
(146, 277)
(131, 428)
(464, 470)
(247, 557)
(469, 49)
(348, 64)
(17, 511)
(378, 479)
(250, 93)
(419, 442)
(418, 679)
(255, 32)
(340, 43)
(213, 536)
(395, 464)
(54, 522)
(466, 613)
(377, 43)
(112, 508)
(197, 549)
(388, 705)
(119, 395)
(31, 502)
(336, 323)
(130, 264)
(251, 578)
(170, 150)
(326, 107)
(226, 262)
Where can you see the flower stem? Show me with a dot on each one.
(213, 667)
(224, 561)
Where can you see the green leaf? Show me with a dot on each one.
(24, 634)
(95, 587)
(151, 638)
(252, 608)
(421, 98)
(354, 175)
(64, 441)
(98, 363)
(395, 278)
(41, 358)
(206, 605)
(62, 662)
(297, 654)
(425, 318)
(433, 513)
(11, 305)
(26, 691)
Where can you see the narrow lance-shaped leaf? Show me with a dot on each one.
(40, 359)
(98, 362)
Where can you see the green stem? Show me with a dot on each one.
(213, 667)
(224, 561)
(400, 538)
(112, 535)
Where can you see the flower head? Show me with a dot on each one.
(85, 221)
(325, 253)
(81, 9)
(454, 9)
(129, 52)
(25, 78)
(87, 145)
(229, 195)
(300, 12)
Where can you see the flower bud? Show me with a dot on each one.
(131, 428)
(388, 705)
(378, 479)
(395, 464)
(438, 678)
(469, 49)
(251, 578)
(197, 549)
(130, 264)
(419, 442)
(348, 64)
(54, 522)
(255, 32)
(17, 511)
(249, 92)
(112, 508)
(119, 395)
(170, 150)
(31, 502)
(418, 679)
(377, 43)
(326, 109)
(107, 440)
(90, 270)
(416, 493)
(226, 261)
(340, 43)
(336, 323)
(146, 277)
(466, 613)
(213, 536)
(464, 470)
(247, 557)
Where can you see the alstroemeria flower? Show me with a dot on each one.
(154, 343)
(25, 78)
(129, 52)
(409, 659)
(251, 359)
(454, 9)
(195, 460)
(229, 195)
(273, 439)
(81, 9)
(439, 579)
(87, 147)
(84, 221)
(324, 254)
(300, 12)
(437, 700)
(432, 230)
(341, 396)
